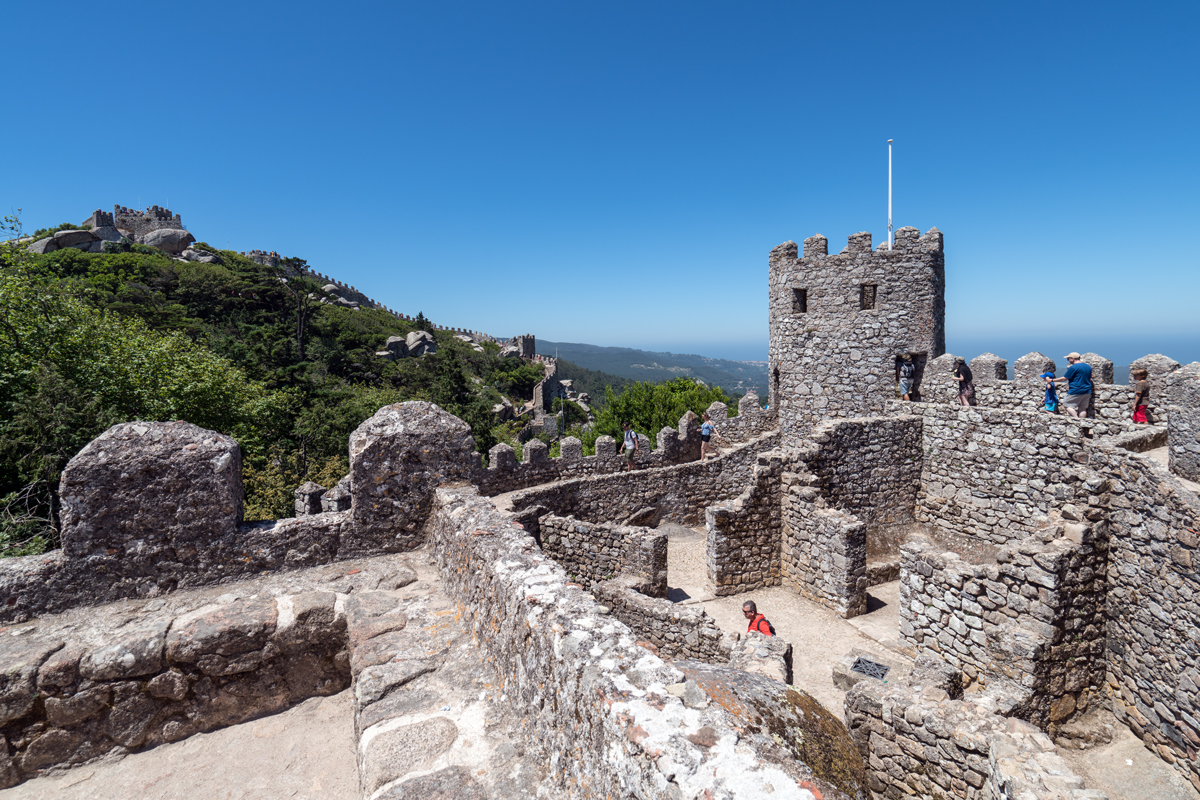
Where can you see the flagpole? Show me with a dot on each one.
(889, 194)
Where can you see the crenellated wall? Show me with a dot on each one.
(1025, 392)
(677, 493)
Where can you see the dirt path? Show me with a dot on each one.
(819, 637)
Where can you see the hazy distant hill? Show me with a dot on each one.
(735, 377)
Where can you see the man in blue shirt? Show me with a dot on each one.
(1078, 378)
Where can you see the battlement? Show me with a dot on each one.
(139, 223)
(99, 219)
(906, 240)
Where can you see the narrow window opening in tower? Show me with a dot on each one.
(800, 301)
(866, 297)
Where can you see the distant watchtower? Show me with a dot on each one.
(839, 322)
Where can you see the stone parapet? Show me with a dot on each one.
(132, 678)
(604, 710)
(677, 493)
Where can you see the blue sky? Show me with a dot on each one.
(617, 173)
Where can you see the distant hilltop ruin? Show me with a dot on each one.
(105, 231)
(134, 223)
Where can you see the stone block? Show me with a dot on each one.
(224, 640)
(308, 498)
(146, 496)
(398, 458)
(132, 651)
(989, 368)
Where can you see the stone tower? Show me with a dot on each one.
(839, 322)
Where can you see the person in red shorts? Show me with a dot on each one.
(1141, 394)
(758, 623)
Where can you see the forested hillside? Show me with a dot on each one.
(88, 340)
(735, 377)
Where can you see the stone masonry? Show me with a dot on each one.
(838, 323)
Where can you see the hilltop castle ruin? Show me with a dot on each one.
(1046, 567)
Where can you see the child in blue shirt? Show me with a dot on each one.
(1050, 401)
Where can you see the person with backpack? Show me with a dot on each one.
(758, 623)
(906, 373)
(629, 445)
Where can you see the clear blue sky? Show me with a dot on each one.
(616, 173)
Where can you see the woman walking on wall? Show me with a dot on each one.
(707, 431)
(966, 382)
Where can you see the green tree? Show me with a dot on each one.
(650, 407)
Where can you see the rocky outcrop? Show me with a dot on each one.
(421, 343)
(169, 240)
(202, 256)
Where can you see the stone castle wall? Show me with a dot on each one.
(604, 710)
(672, 630)
(127, 682)
(139, 223)
(838, 323)
(824, 550)
(677, 493)
(1110, 402)
(870, 467)
(743, 551)
(752, 420)
(988, 473)
(1152, 607)
(1181, 391)
(505, 474)
(1035, 619)
(923, 741)
(592, 552)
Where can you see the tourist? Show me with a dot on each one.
(906, 371)
(966, 382)
(758, 623)
(629, 446)
(707, 431)
(1050, 401)
(1078, 378)
(1141, 393)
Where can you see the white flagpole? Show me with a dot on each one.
(889, 194)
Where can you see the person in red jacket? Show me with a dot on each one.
(757, 621)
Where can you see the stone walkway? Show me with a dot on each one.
(425, 718)
(304, 752)
(1162, 456)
